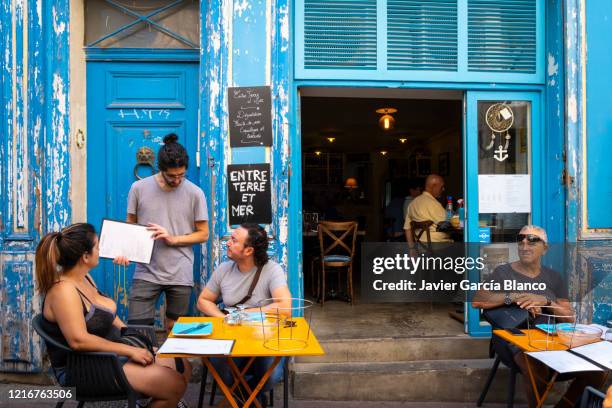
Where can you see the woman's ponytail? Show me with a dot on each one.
(47, 254)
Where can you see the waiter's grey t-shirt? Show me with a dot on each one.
(232, 285)
(177, 211)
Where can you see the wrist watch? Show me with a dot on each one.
(507, 299)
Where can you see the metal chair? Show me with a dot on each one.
(337, 246)
(502, 318)
(97, 376)
(592, 398)
(514, 370)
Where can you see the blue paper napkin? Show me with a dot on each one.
(192, 329)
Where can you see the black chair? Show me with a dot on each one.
(504, 317)
(592, 398)
(97, 376)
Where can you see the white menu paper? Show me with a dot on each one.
(122, 239)
(563, 361)
(504, 193)
(600, 353)
(201, 347)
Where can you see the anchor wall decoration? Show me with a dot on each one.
(499, 118)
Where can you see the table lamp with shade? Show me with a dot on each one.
(351, 183)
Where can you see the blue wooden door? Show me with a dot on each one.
(503, 163)
(131, 106)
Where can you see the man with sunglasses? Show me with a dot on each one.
(175, 211)
(528, 271)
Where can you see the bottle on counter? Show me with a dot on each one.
(461, 212)
(449, 208)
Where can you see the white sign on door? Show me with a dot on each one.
(504, 193)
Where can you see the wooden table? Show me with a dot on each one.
(522, 342)
(249, 342)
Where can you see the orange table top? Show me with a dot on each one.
(533, 340)
(250, 340)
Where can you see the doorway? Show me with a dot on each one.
(353, 169)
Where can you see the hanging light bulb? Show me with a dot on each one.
(331, 139)
(384, 152)
(386, 121)
(317, 152)
(402, 140)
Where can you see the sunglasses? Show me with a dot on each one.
(531, 239)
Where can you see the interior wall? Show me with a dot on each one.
(451, 144)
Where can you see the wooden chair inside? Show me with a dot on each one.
(337, 245)
(417, 229)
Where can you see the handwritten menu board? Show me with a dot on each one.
(250, 116)
(249, 193)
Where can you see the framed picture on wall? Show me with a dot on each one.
(443, 164)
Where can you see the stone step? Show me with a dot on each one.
(426, 380)
(401, 349)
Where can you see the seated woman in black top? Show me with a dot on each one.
(82, 317)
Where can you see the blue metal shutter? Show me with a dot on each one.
(340, 34)
(422, 35)
(502, 36)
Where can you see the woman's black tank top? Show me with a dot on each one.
(98, 320)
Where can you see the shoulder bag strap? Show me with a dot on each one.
(252, 288)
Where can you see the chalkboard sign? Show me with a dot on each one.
(249, 193)
(250, 116)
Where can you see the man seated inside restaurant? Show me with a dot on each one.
(248, 278)
(532, 244)
(415, 188)
(426, 207)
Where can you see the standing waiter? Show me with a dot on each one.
(175, 211)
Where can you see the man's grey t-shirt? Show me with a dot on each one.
(232, 285)
(555, 286)
(177, 211)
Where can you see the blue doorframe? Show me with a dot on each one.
(473, 324)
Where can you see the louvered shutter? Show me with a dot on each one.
(422, 35)
(421, 40)
(340, 34)
(502, 35)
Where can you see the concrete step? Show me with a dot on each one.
(401, 349)
(425, 380)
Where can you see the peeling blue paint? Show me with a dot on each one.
(553, 197)
(284, 223)
(34, 180)
(214, 74)
(573, 94)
